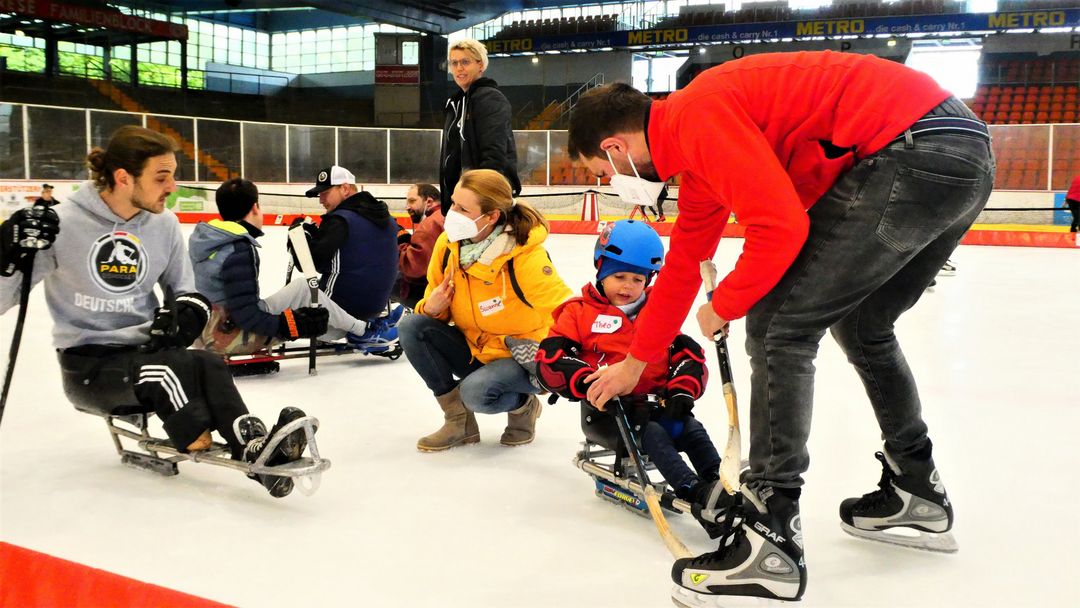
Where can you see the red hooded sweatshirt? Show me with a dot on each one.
(746, 138)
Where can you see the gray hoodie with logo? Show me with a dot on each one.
(101, 272)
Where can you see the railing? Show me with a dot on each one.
(248, 84)
(47, 142)
(567, 106)
(524, 114)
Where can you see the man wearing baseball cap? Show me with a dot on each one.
(46, 197)
(355, 250)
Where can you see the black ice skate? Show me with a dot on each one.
(909, 509)
(287, 448)
(760, 555)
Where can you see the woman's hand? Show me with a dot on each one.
(440, 297)
(613, 380)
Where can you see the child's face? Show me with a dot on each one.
(622, 288)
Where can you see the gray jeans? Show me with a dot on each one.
(296, 294)
(877, 239)
(439, 353)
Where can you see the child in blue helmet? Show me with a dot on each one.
(596, 329)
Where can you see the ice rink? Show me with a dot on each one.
(994, 349)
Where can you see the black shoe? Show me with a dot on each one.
(760, 554)
(290, 448)
(914, 499)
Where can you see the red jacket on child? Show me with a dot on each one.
(590, 331)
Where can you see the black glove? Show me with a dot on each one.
(178, 325)
(23, 234)
(561, 370)
(403, 235)
(678, 406)
(676, 410)
(303, 323)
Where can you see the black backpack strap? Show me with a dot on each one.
(514, 283)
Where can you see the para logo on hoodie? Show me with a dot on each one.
(117, 262)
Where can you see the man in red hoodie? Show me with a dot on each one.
(855, 178)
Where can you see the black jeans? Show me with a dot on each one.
(664, 452)
(877, 239)
(1074, 208)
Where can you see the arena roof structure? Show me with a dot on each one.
(433, 16)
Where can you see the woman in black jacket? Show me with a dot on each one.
(477, 133)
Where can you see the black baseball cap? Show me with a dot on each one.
(330, 177)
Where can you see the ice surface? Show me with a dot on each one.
(994, 349)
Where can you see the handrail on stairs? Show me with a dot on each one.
(568, 104)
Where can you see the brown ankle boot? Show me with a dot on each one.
(521, 423)
(458, 429)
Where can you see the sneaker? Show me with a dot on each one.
(909, 508)
(760, 554)
(948, 268)
(377, 339)
(393, 316)
(287, 450)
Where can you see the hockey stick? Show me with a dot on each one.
(298, 238)
(674, 545)
(732, 459)
(24, 300)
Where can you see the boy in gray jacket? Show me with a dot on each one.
(116, 346)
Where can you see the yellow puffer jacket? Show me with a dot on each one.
(485, 307)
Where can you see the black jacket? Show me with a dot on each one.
(483, 140)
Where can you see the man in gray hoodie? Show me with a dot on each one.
(116, 346)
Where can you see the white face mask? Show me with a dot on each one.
(635, 190)
(459, 226)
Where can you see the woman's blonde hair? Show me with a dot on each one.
(495, 194)
(472, 47)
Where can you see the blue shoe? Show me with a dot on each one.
(392, 318)
(378, 338)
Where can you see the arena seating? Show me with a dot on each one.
(1031, 104)
(762, 12)
(557, 27)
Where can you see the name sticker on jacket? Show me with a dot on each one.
(606, 324)
(490, 307)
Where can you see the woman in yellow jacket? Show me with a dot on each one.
(489, 278)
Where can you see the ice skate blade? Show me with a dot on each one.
(685, 598)
(943, 542)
